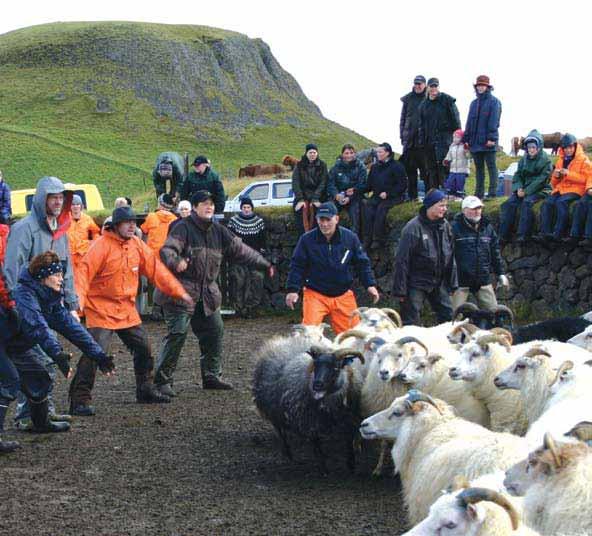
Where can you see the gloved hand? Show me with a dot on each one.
(503, 281)
(62, 360)
(107, 365)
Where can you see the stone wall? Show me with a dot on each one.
(545, 280)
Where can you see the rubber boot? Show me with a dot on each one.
(6, 446)
(42, 423)
(148, 393)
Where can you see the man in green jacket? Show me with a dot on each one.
(530, 184)
(204, 178)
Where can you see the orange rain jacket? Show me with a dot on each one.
(108, 276)
(80, 235)
(579, 174)
(156, 227)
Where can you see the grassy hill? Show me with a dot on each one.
(96, 102)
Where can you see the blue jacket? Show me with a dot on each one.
(41, 310)
(483, 122)
(328, 267)
(344, 175)
(5, 206)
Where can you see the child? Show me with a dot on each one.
(458, 160)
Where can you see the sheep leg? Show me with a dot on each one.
(286, 451)
(320, 456)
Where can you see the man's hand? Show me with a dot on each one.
(298, 206)
(291, 299)
(188, 300)
(62, 360)
(75, 315)
(382, 195)
(490, 143)
(446, 162)
(563, 172)
(107, 366)
(373, 291)
(181, 266)
(466, 146)
(271, 271)
(339, 198)
(316, 204)
(504, 281)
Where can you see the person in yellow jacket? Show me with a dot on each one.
(568, 181)
(108, 283)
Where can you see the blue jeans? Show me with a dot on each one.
(582, 218)
(523, 206)
(481, 158)
(556, 205)
(23, 408)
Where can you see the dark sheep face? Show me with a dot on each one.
(326, 377)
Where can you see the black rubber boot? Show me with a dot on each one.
(6, 446)
(213, 382)
(42, 424)
(148, 393)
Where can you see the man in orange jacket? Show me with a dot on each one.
(568, 180)
(83, 230)
(107, 280)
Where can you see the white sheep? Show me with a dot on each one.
(433, 445)
(556, 482)
(429, 374)
(314, 333)
(479, 362)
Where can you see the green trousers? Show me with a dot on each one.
(209, 331)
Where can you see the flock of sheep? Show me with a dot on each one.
(489, 436)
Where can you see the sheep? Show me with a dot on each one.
(433, 445)
(582, 431)
(309, 390)
(472, 511)
(379, 320)
(556, 482)
(478, 363)
(583, 339)
(382, 386)
(314, 333)
(429, 374)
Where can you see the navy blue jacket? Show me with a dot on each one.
(5, 206)
(346, 175)
(483, 122)
(328, 267)
(388, 176)
(476, 251)
(42, 310)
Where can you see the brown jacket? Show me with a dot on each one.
(203, 244)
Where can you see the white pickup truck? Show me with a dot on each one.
(266, 193)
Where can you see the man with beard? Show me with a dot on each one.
(477, 254)
(413, 153)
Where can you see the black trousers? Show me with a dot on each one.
(414, 161)
(375, 211)
(436, 171)
(439, 299)
(24, 371)
(135, 339)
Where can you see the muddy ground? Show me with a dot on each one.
(205, 464)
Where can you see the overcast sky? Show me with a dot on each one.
(356, 59)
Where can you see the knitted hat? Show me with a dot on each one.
(166, 201)
(76, 200)
(432, 197)
(200, 160)
(310, 146)
(246, 201)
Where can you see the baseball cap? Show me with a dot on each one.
(327, 210)
(419, 79)
(471, 201)
(433, 82)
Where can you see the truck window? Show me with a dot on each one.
(282, 190)
(258, 192)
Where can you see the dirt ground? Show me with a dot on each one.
(204, 464)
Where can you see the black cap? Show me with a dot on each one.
(200, 160)
(326, 210)
(433, 82)
(310, 146)
(122, 214)
(419, 79)
(200, 196)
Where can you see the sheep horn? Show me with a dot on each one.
(358, 311)
(433, 358)
(378, 341)
(417, 396)
(504, 333)
(500, 339)
(536, 350)
(476, 495)
(393, 315)
(469, 328)
(342, 353)
(549, 444)
(463, 309)
(503, 309)
(589, 362)
(581, 431)
(565, 366)
(357, 333)
(408, 340)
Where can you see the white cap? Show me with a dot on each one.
(471, 201)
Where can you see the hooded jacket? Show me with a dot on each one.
(309, 180)
(156, 227)
(409, 122)
(41, 310)
(533, 174)
(32, 236)
(203, 244)
(345, 175)
(579, 174)
(458, 157)
(108, 279)
(477, 252)
(483, 122)
(178, 175)
(80, 235)
(425, 256)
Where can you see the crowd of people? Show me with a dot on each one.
(59, 267)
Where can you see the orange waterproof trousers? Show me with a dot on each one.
(316, 306)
